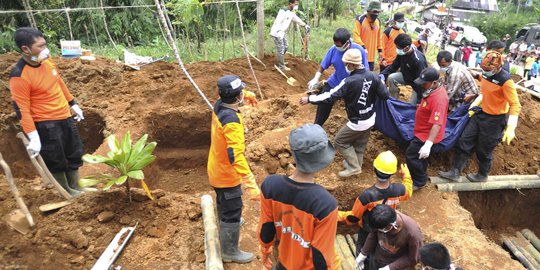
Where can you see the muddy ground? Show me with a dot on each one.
(160, 101)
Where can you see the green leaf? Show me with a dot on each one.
(143, 162)
(138, 174)
(109, 184)
(94, 159)
(136, 150)
(126, 143)
(120, 180)
(87, 182)
(113, 143)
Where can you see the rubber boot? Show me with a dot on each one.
(62, 180)
(455, 172)
(229, 237)
(352, 160)
(281, 62)
(73, 180)
(477, 177)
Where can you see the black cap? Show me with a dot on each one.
(399, 16)
(230, 86)
(427, 75)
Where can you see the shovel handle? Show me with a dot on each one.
(282, 73)
(15, 191)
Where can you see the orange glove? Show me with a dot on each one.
(251, 187)
(342, 215)
(265, 257)
(250, 98)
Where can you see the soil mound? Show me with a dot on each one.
(160, 101)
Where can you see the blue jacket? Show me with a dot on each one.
(333, 58)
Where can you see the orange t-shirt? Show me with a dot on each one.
(368, 34)
(39, 94)
(499, 94)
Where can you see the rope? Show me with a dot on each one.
(177, 55)
(112, 7)
(245, 49)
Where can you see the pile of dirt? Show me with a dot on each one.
(160, 101)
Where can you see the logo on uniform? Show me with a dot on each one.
(424, 104)
(436, 116)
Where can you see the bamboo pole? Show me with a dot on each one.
(351, 243)
(463, 179)
(508, 242)
(212, 248)
(525, 184)
(15, 191)
(69, 22)
(531, 237)
(532, 92)
(527, 255)
(105, 23)
(347, 261)
(529, 248)
(338, 252)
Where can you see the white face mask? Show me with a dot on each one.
(295, 7)
(444, 69)
(400, 25)
(43, 55)
(348, 70)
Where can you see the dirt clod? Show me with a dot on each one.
(77, 239)
(194, 214)
(105, 216)
(155, 232)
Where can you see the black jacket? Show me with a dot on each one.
(360, 91)
(410, 65)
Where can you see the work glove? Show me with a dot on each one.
(307, 29)
(34, 146)
(360, 261)
(383, 79)
(78, 113)
(385, 268)
(311, 84)
(251, 187)
(342, 215)
(426, 148)
(265, 257)
(510, 131)
(475, 105)
(250, 98)
(404, 171)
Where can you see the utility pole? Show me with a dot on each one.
(260, 29)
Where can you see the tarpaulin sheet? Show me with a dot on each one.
(395, 119)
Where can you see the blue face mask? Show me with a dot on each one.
(400, 52)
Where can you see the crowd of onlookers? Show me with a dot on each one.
(528, 54)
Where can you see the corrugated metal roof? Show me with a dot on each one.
(486, 5)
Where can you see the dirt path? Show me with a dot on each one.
(159, 100)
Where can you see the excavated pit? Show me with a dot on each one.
(14, 152)
(503, 212)
(183, 139)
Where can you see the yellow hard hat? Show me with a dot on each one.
(386, 162)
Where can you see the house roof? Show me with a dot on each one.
(483, 5)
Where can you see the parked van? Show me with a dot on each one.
(530, 33)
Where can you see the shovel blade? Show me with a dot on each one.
(17, 220)
(53, 206)
(291, 81)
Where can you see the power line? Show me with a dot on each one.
(113, 7)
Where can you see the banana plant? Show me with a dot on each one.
(128, 160)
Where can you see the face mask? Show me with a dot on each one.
(400, 52)
(43, 55)
(488, 73)
(393, 226)
(444, 69)
(400, 25)
(373, 17)
(341, 49)
(295, 8)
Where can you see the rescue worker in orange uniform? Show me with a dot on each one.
(367, 32)
(42, 102)
(228, 167)
(383, 192)
(389, 35)
(297, 213)
(494, 121)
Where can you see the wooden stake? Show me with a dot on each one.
(69, 22)
(212, 247)
(15, 192)
(105, 23)
(260, 29)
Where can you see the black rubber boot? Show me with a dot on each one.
(73, 180)
(229, 237)
(62, 180)
(454, 174)
(477, 177)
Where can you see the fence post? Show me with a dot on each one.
(260, 29)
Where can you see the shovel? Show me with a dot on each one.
(138, 67)
(19, 219)
(290, 80)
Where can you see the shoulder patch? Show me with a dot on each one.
(227, 116)
(17, 69)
